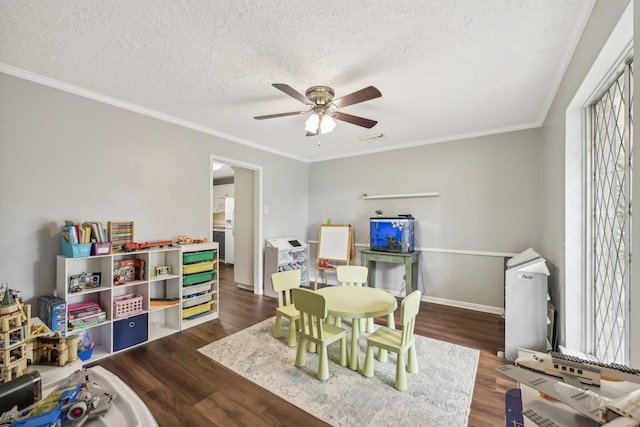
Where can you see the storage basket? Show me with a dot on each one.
(101, 248)
(86, 354)
(127, 305)
(198, 309)
(200, 299)
(197, 268)
(196, 289)
(76, 250)
(192, 279)
(191, 257)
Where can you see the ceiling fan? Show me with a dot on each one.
(324, 108)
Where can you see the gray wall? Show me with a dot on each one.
(487, 207)
(63, 156)
(602, 21)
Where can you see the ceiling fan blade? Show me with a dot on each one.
(292, 92)
(272, 116)
(311, 134)
(356, 97)
(360, 121)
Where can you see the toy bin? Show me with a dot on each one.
(196, 300)
(86, 354)
(101, 248)
(197, 268)
(197, 310)
(193, 279)
(131, 331)
(191, 257)
(76, 250)
(196, 289)
(127, 305)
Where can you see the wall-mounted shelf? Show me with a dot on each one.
(397, 196)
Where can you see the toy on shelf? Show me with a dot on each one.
(127, 270)
(55, 350)
(14, 332)
(130, 247)
(184, 240)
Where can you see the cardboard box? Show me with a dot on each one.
(52, 311)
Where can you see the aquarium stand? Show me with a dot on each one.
(411, 263)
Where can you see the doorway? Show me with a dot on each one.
(246, 222)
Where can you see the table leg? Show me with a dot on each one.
(369, 327)
(354, 358)
(408, 271)
(415, 267)
(371, 265)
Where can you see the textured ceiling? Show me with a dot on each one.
(446, 68)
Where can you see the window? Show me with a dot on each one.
(610, 251)
(577, 304)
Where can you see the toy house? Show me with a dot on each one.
(14, 332)
(56, 350)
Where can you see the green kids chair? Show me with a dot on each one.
(395, 341)
(315, 330)
(283, 283)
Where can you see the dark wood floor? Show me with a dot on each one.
(181, 387)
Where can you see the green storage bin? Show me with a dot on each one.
(191, 257)
(192, 279)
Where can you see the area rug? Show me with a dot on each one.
(439, 395)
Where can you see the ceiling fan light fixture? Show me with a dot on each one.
(323, 108)
(327, 124)
(319, 123)
(311, 125)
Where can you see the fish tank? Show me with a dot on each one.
(392, 234)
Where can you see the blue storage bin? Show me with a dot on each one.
(130, 331)
(78, 250)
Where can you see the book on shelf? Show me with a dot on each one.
(73, 234)
(86, 232)
(87, 321)
(84, 309)
(101, 315)
(84, 314)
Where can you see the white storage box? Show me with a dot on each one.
(200, 299)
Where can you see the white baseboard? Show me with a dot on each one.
(463, 304)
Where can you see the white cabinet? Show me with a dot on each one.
(283, 254)
(527, 304)
(525, 312)
(200, 283)
(218, 194)
(156, 275)
(123, 329)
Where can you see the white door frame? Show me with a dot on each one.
(258, 287)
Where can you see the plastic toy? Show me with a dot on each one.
(72, 403)
(130, 247)
(14, 332)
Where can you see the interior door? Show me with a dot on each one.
(244, 231)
